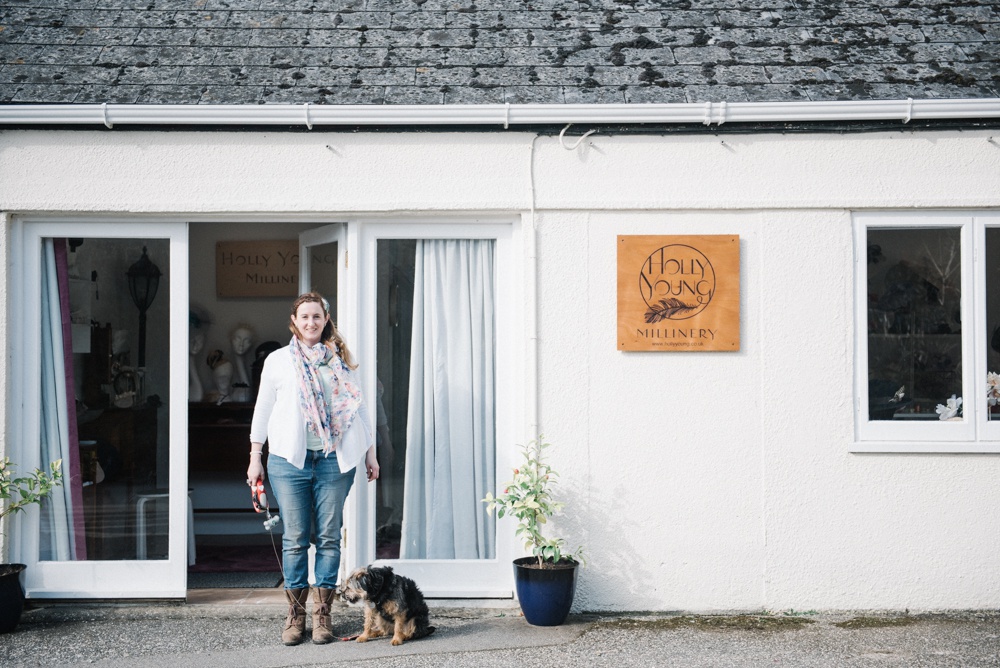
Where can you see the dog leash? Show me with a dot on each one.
(260, 504)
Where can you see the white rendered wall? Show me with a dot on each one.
(225, 172)
(696, 481)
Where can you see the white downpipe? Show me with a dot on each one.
(10, 237)
(505, 115)
(531, 302)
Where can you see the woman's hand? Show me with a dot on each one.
(255, 470)
(371, 464)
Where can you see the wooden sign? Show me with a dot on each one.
(679, 293)
(257, 268)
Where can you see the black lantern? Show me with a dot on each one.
(143, 280)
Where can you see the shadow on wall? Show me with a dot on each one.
(615, 578)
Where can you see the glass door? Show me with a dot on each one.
(435, 318)
(101, 369)
(325, 267)
(320, 262)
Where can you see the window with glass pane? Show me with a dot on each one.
(104, 373)
(323, 272)
(915, 324)
(435, 408)
(992, 338)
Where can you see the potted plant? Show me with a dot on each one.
(15, 495)
(546, 581)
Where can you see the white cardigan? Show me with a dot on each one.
(278, 420)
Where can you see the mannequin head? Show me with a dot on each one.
(223, 374)
(197, 343)
(241, 339)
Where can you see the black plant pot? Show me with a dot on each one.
(545, 594)
(11, 596)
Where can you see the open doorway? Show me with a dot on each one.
(244, 277)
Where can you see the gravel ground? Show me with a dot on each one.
(175, 636)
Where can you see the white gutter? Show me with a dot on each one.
(309, 115)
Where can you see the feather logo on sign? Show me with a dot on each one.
(667, 309)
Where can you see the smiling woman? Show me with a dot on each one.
(309, 319)
(309, 407)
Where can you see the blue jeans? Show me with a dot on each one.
(311, 503)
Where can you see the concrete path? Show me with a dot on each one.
(246, 636)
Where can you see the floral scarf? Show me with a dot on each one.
(326, 417)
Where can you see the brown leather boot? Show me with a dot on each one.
(321, 615)
(295, 625)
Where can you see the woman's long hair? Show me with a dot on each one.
(330, 333)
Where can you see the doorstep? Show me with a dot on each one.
(236, 597)
(276, 596)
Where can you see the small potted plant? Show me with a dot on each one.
(15, 495)
(545, 581)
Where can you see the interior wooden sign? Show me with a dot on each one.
(257, 268)
(679, 293)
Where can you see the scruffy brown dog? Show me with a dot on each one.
(392, 603)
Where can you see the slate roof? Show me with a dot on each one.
(432, 52)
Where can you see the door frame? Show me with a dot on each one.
(345, 235)
(89, 579)
(460, 578)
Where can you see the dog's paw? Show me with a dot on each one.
(397, 640)
(363, 637)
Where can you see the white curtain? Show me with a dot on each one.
(450, 433)
(61, 535)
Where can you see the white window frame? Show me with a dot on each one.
(165, 578)
(974, 433)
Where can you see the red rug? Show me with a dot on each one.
(238, 558)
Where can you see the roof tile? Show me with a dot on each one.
(574, 95)
(536, 94)
(413, 95)
(311, 38)
(111, 93)
(170, 94)
(472, 95)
